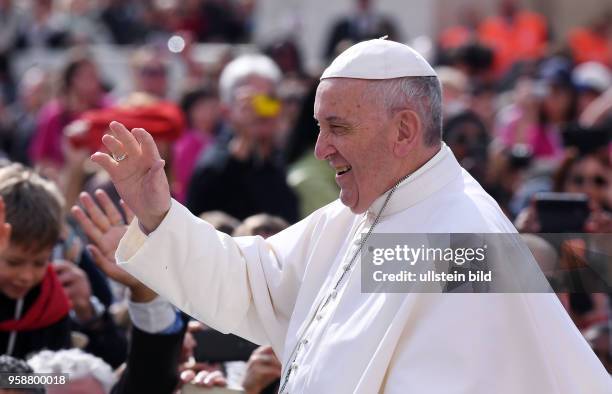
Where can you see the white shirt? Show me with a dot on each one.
(269, 291)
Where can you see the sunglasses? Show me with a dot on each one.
(597, 180)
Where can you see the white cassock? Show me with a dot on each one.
(268, 291)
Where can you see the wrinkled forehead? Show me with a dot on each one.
(340, 94)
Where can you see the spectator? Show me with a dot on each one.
(80, 90)
(541, 110)
(42, 27)
(82, 23)
(591, 79)
(34, 93)
(88, 374)
(514, 35)
(33, 305)
(201, 108)
(150, 72)
(363, 23)
(241, 174)
(263, 225)
(124, 20)
(311, 179)
(593, 43)
(221, 221)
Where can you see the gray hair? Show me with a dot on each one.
(76, 363)
(243, 67)
(421, 94)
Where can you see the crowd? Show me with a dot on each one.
(521, 114)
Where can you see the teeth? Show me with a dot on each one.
(342, 170)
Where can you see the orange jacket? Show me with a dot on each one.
(525, 38)
(587, 46)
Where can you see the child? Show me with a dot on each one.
(33, 305)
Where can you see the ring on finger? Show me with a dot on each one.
(120, 157)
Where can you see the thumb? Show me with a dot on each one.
(101, 261)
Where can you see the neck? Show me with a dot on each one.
(416, 162)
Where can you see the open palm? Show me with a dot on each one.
(138, 175)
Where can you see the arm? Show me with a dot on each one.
(236, 285)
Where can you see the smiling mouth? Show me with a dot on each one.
(342, 170)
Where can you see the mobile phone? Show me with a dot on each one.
(214, 346)
(562, 212)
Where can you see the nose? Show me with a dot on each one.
(324, 148)
(25, 277)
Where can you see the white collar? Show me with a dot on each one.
(426, 180)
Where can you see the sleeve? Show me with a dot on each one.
(152, 364)
(153, 317)
(245, 286)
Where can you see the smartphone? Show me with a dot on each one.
(562, 212)
(214, 346)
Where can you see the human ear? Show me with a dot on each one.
(409, 130)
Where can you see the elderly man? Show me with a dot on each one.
(378, 105)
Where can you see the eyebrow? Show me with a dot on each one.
(334, 119)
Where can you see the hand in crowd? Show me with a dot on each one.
(104, 227)
(197, 373)
(263, 368)
(599, 222)
(5, 228)
(139, 174)
(77, 288)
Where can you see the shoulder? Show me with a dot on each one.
(466, 207)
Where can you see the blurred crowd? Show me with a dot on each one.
(528, 116)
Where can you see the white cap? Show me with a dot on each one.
(592, 75)
(379, 59)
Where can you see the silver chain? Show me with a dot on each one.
(346, 270)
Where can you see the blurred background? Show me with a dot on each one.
(227, 87)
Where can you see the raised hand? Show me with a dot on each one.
(102, 223)
(104, 227)
(5, 228)
(137, 172)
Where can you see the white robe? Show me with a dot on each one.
(267, 290)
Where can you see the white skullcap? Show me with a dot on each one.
(379, 59)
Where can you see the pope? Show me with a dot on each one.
(379, 109)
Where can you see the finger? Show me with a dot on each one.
(98, 217)
(147, 144)
(199, 378)
(101, 261)
(114, 146)
(105, 161)
(127, 139)
(195, 325)
(129, 214)
(112, 213)
(215, 378)
(91, 230)
(187, 376)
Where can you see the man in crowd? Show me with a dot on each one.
(244, 161)
(379, 109)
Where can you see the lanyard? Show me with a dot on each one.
(13, 336)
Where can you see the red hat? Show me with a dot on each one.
(163, 119)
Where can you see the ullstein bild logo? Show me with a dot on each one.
(486, 263)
